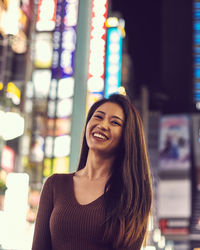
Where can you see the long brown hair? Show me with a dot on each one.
(129, 196)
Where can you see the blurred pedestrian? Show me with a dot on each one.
(106, 203)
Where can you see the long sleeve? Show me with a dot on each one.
(42, 236)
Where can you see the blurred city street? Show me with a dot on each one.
(57, 58)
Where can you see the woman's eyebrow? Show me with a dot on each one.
(101, 112)
(117, 117)
(114, 116)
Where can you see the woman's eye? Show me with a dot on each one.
(98, 116)
(116, 123)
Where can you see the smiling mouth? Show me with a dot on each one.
(100, 136)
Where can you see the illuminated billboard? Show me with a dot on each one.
(61, 88)
(43, 50)
(57, 146)
(9, 19)
(174, 206)
(174, 143)
(41, 82)
(46, 15)
(7, 159)
(64, 39)
(60, 108)
(196, 53)
(59, 126)
(61, 91)
(97, 49)
(60, 165)
(113, 60)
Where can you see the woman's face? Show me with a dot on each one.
(104, 129)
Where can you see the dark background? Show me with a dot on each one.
(159, 35)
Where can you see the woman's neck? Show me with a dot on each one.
(97, 167)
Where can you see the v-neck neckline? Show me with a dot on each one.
(92, 203)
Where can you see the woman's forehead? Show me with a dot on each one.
(111, 108)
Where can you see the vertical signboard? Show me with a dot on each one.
(60, 99)
(174, 143)
(196, 52)
(174, 186)
(113, 60)
(96, 68)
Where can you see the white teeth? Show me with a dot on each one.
(100, 136)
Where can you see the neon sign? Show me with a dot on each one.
(113, 60)
(97, 46)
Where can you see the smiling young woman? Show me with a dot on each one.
(106, 203)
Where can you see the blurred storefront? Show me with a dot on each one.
(173, 145)
(15, 19)
(37, 88)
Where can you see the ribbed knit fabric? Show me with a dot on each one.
(64, 224)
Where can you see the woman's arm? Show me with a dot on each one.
(42, 236)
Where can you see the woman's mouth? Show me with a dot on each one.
(100, 136)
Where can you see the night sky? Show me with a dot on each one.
(160, 44)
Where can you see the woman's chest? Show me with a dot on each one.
(69, 220)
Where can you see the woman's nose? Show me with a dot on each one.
(103, 125)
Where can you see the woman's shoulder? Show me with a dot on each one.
(58, 177)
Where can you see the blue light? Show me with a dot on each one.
(197, 58)
(197, 50)
(113, 61)
(197, 85)
(197, 73)
(197, 5)
(197, 25)
(196, 14)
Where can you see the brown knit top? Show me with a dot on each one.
(64, 224)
